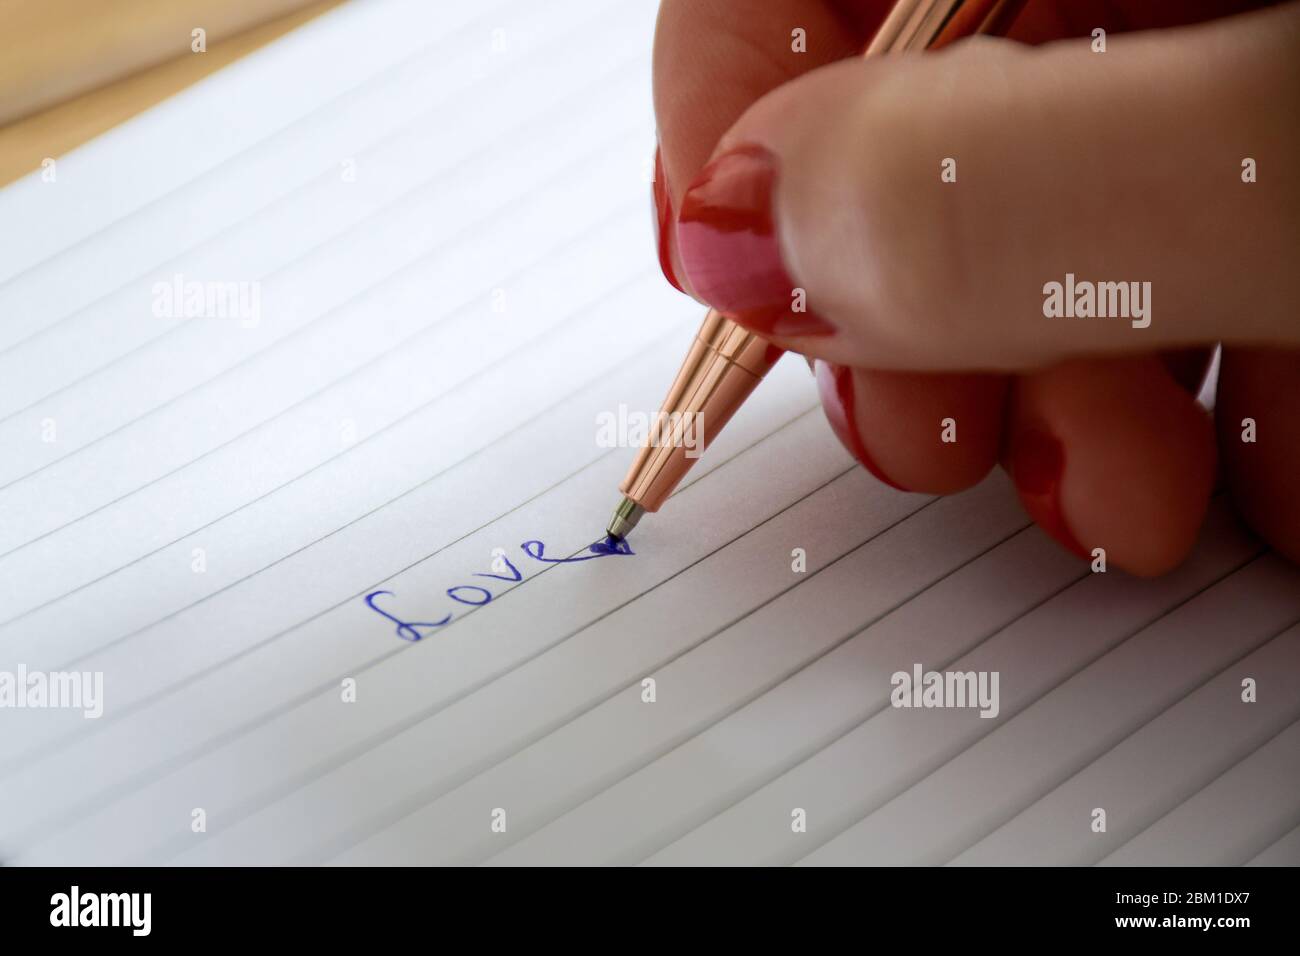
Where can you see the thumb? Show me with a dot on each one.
(996, 206)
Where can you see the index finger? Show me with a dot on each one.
(714, 58)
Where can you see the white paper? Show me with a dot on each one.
(444, 211)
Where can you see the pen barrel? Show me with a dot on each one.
(724, 365)
(933, 24)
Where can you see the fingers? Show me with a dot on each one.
(714, 58)
(1257, 413)
(1112, 454)
(917, 432)
(825, 220)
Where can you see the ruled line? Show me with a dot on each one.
(125, 711)
(1121, 738)
(483, 226)
(273, 795)
(376, 78)
(109, 719)
(412, 413)
(416, 803)
(915, 780)
(791, 764)
(403, 342)
(402, 201)
(753, 698)
(503, 359)
(164, 768)
(1264, 844)
(112, 794)
(1292, 827)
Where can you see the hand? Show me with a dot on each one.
(818, 179)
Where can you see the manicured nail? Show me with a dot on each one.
(728, 245)
(835, 385)
(663, 215)
(1037, 466)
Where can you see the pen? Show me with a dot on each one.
(726, 362)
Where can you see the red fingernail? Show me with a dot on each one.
(1037, 465)
(663, 214)
(728, 246)
(835, 385)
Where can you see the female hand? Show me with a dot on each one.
(919, 206)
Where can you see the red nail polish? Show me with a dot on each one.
(1037, 464)
(835, 385)
(728, 245)
(663, 215)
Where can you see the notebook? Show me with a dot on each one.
(302, 383)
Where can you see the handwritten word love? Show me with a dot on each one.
(476, 596)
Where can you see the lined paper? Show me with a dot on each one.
(449, 235)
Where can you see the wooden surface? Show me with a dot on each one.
(53, 130)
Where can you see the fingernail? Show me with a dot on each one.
(1037, 466)
(835, 385)
(728, 245)
(663, 216)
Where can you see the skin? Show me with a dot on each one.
(1119, 166)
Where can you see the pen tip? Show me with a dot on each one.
(626, 515)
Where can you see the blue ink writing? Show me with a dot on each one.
(487, 595)
(601, 549)
(514, 571)
(406, 630)
(466, 593)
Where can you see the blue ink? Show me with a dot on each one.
(501, 577)
(406, 630)
(410, 630)
(601, 549)
(487, 595)
(612, 545)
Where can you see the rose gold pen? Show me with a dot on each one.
(726, 362)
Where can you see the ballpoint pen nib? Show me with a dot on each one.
(626, 515)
